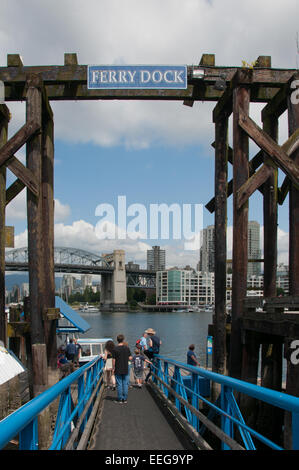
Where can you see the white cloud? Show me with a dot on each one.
(138, 31)
(61, 211)
(16, 209)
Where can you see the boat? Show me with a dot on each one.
(91, 348)
(195, 308)
(89, 309)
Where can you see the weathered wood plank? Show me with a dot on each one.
(14, 189)
(3, 139)
(34, 213)
(254, 163)
(69, 82)
(48, 234)
(277, 153)
(241, 100)
(206, 59)
(24, 174)
(221, 150)
(18, 140)
(252, 184)
(270, 126)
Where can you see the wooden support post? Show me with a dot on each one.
(4, 118)
(270, 125)
(292, 381)
(219, 340)
(270, 419)
(35, 245)
(241, 100)
(48, 231)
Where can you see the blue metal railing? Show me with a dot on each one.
(196, 387)
(24, 421)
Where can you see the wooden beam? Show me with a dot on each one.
(14, 60)
(24, 174)
(241, 100)
(18, 140)
(47, 188)
(3, 139)
(283, 190)
(221, 150)
(254, 163)
(68, 82)
(14, 189)
(206, 59)
(275, 152)
(34, 214)
(270, 126)
(252, 184)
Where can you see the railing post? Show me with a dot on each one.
(177, 387)
(166, 379)
(194, 400)
(28, 437)
(226, 423)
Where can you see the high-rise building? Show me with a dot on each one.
(86, 280)
(254, 251)
(156, 259)
(207, 250)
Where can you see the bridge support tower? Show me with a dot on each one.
(114, 287)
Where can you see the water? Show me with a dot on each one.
(176, 330)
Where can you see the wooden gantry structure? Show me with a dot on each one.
(39, 85)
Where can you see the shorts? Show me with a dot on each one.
(138, 373)
(109, 364)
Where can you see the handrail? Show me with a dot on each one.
(24, 416)
(273, 397)
(226, 406)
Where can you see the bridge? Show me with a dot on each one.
(174, 411)
(110, 266)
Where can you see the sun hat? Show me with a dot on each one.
(150, 331)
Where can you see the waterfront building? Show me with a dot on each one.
(186, 287)
(190, 287)
(207, 250)
(156, 259)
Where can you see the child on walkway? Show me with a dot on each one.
(138, 366)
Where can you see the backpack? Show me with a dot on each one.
(138, 362)
(138, 345)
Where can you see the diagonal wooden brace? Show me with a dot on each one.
(17, 141)
(13, 190)
(277, 154)
(8, 159)
(259, 178)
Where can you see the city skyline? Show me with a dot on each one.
(151, 152)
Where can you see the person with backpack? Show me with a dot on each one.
(138, 366)
(154, 344)
(142, 342)
(70, 351)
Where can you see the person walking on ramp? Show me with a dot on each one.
(138, 366)
(153, 348)
(121, 355)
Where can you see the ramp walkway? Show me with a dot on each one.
(138, 424)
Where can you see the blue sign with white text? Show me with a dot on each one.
(137, 76)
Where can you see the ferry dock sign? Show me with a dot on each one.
(137, 76)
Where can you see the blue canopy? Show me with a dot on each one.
(79, 323)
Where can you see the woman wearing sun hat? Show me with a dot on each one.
(154, 343)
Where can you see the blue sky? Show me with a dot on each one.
(150, 152)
